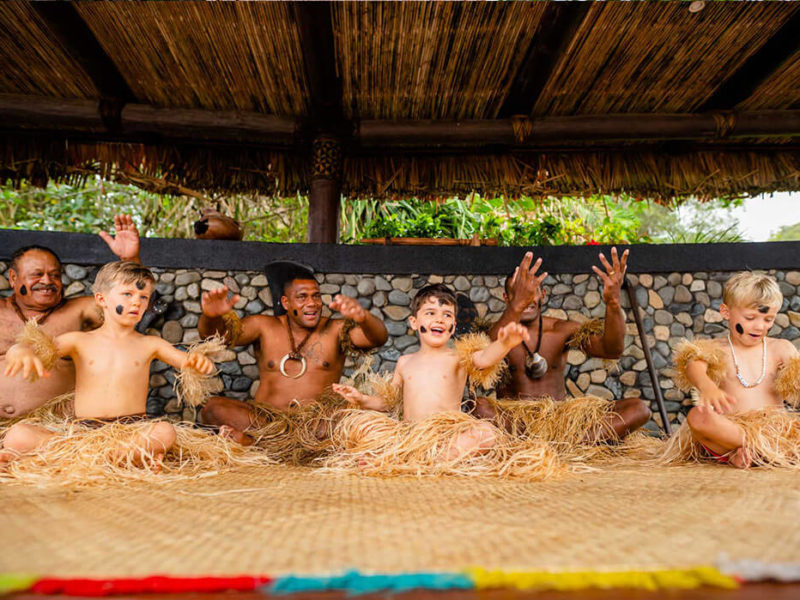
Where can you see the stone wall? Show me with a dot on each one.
(676, 305)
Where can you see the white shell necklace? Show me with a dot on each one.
(741, 379)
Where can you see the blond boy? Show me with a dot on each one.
(432, 379)
(738, 378)
(112, 365)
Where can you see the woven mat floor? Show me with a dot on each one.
(281, 520)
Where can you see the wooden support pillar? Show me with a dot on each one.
(324, 196)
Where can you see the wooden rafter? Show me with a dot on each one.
(761, 65)
(75, 36)
(556, 29)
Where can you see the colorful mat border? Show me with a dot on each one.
(356, 583)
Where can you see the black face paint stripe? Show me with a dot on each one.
(140, 284)
(739, 329)
(422, 329)
(763, 309)
(294, 312)
(23, 290)
(119, 309)
(452, 328)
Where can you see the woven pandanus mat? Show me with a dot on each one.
(281, 520)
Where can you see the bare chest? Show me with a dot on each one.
(61, 321)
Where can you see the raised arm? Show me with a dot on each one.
(611, 343)
(370, 330)
(525, 289)
(125, 244)
(509, 336)
(216, 305)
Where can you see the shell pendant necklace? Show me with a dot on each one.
(739, 376)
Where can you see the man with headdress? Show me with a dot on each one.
(34, 273)
(300, 353)
(537, 367)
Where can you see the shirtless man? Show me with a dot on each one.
(523, 304)
(299, 353)
(35, 276)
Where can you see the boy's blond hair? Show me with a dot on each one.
(748, 289)
(122, 272)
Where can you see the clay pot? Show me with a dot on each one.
(213, 225)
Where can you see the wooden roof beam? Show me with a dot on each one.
(761, 65)
(153, 125)
(325, 87)
(557, 27)
(72, 32)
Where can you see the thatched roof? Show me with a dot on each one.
(498, 66)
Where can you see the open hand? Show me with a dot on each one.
(717, 400)
(614, 275)
(216, 303)
(125, 244)
(349, 308)
(18, 359)
(526, 286)
(199, 362)
(349, 393)
(513, 334)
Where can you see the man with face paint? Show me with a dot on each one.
(299, 353)
(35, 276)
(537, 367)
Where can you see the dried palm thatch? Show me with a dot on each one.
(193, 387)
(80, 456)
(237, 56)
(40, 343)
(707, 351)
(27, 46)
(787, 382)
(580, 339)
(706, 174)
(632, 58)
(779, 91)
(430, 60)
(373, 443)
(273, 431)
(486, 378)
(771, 436)
(573, 426)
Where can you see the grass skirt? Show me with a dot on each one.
(373, 443)
(79, 455)
(772, 436)
(572, 426)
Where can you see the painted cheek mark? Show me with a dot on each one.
(422, 329)
(140, 285)
(23, 290)
(452, 327)
(739, 329)
(294, 312)
(119, 309)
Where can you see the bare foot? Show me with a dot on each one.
(226, 431)
(741, 458)
(158, 463)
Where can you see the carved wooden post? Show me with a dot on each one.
(323, 200)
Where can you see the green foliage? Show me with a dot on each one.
(787, 233)
(519, 222)
(92, 207)
(693, 222)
